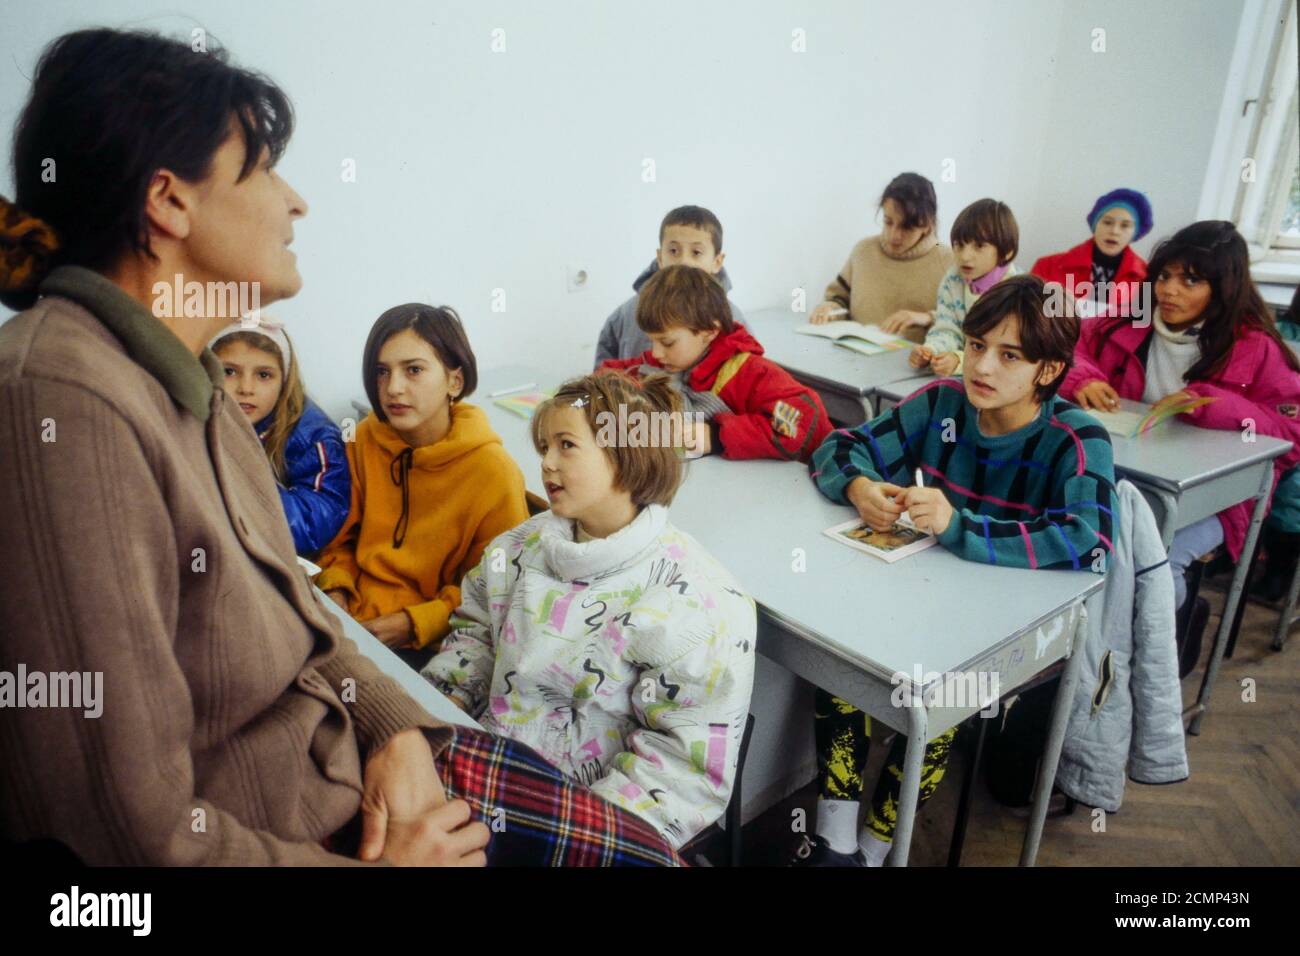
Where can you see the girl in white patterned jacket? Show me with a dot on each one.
(599, 634)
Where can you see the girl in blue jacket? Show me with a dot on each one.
(304, 446)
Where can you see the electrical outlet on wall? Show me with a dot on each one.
(576, 280)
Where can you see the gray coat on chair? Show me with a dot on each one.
(1127, 710)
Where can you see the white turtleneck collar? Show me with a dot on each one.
(1179, 336)
(571, 560)
(1172, 353)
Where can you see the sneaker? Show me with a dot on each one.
(815, 852)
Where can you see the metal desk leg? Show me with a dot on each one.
(1288, 612)
(1055, 738)
(1168, 513)
(967, 788)
(1198, 709)
(910, 793)
(867, 408)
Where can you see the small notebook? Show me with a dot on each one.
(903, 540)
(522, 404)
(867, 339)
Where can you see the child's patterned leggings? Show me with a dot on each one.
(843, 735)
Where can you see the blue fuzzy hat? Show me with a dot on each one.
(1137, 204)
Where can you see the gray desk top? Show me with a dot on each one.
(1175, 456)
(820, 361)
(931, 610)
(897, 391)
(1178, 455)
(424, 693)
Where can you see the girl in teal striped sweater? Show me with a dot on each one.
(1014, 475)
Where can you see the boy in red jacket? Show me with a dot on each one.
(752, 407)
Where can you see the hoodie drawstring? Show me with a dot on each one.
(398, 471)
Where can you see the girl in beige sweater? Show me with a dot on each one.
(890, 279)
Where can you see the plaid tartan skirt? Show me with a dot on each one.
(536, 815)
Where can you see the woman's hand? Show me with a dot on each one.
(905, 319)
(405, 815)
(875, 502)
(1097, 394)
(339, 597)
(395, 630)
(921, 356)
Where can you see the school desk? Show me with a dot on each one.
(425, 694)
(1186, 473)
(845, 379)
(930, 625)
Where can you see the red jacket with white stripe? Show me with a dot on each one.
(772, 415)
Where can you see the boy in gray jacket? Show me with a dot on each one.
(688, 235)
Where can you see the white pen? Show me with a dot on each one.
(507, 391)
(920, 483)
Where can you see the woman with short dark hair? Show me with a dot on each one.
(144, 538)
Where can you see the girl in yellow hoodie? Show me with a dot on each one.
(431, 482)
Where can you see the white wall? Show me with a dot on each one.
(481, 170)
(1141, 114)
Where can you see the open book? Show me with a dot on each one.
(1139, 419)
(867, 339)
(1122, 422)
(902, 540)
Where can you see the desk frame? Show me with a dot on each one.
(1017, 660)
(1179, 504)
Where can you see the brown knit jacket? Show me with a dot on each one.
(147, 541)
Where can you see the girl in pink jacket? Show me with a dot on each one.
(1211, 336)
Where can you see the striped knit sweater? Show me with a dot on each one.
(1039, 497)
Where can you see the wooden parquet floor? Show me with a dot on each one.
(1241, 805)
